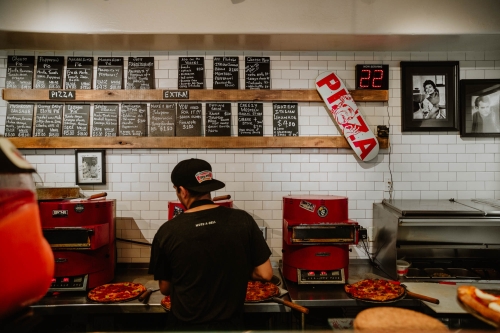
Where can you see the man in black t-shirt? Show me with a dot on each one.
(204, 257)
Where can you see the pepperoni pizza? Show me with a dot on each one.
(116, 292)
(258, 291)
(378, 290)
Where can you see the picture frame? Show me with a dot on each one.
(480, 108)
(90, 167)
(429, 96)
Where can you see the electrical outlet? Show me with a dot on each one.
(388, 184)
(264, 231)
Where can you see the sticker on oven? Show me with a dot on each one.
(79, 208)
(307, 205)
(60, 213)
(322, 211)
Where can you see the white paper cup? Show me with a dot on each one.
(402, 267)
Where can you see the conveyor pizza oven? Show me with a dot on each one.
(81, 234)
(316, 237)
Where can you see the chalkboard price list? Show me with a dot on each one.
(163, 119)
(257, 73)
(226, 72)
(191, 73)
(105, 120)
(285, 119)
(188, 119)
(250, 119)
(20, 72)
(48, 120)
(109, 73)
(141, 73)
(133, 120)
(19, 121)
(79, 72)
(218, 119)
(76, 120)
(49, 72)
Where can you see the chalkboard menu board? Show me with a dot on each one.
(188, 119)
(250, 119)
(105, 120)
(76, 120)
(218, 119)
(285, 119)
(134, 120)
(79, 71)
(226, 72)
(141, 73)
(109, 73)
(48, 120)
(162, 117)
(191, 73)
(19, 121)
(20, 72)
(257, 73)
(49, 72)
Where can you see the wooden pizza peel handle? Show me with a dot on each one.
(290, 304)
(222, 197)
(422, 297)
(146, 294)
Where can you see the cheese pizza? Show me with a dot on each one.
(378, 290)
(486, 304)
(116, 292)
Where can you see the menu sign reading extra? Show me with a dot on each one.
(19, 121)
(76, 120)
(191, 73)
(109, 73)
(250, 119)
(134, 120)
(48, 120)
(218, 119)
(162, 119)
(105, 120)
(226, 73)
(79, 71)
(141, 73)
(257, 73)
(188, 119)
(285, 119)
(20, 72)
(49, 72)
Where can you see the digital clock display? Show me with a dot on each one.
(375, 77)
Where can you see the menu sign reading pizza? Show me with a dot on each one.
(48, 120)
(49, 72)
(19, 121)
(105, 120)
(79, 73)
(20, 72)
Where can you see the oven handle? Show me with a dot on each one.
(483, 222)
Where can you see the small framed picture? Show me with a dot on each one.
(90, 167)
(479, 107)
(429, 96)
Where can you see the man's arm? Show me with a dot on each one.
(164, 287)
(263, 272)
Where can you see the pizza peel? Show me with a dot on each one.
(151, 287)
(276, 298)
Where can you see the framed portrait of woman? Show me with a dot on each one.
(429, 96)
(479, 108)
(90, 167)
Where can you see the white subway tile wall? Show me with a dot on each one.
(423, 165)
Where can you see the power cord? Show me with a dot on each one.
(372, 261)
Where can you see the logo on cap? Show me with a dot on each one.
(203, 175)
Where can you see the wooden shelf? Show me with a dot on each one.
(194, 95)
(129, 142)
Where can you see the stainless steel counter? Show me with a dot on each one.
(71, 301)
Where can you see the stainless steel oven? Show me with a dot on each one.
(444, 240)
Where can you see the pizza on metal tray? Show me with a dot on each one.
(116, 292)
(165, 303)
(374, 290)
(258, 291)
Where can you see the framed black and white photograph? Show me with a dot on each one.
(479, 108)
(90, 167)
(429, 96)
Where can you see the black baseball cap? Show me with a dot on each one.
(196, 175)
